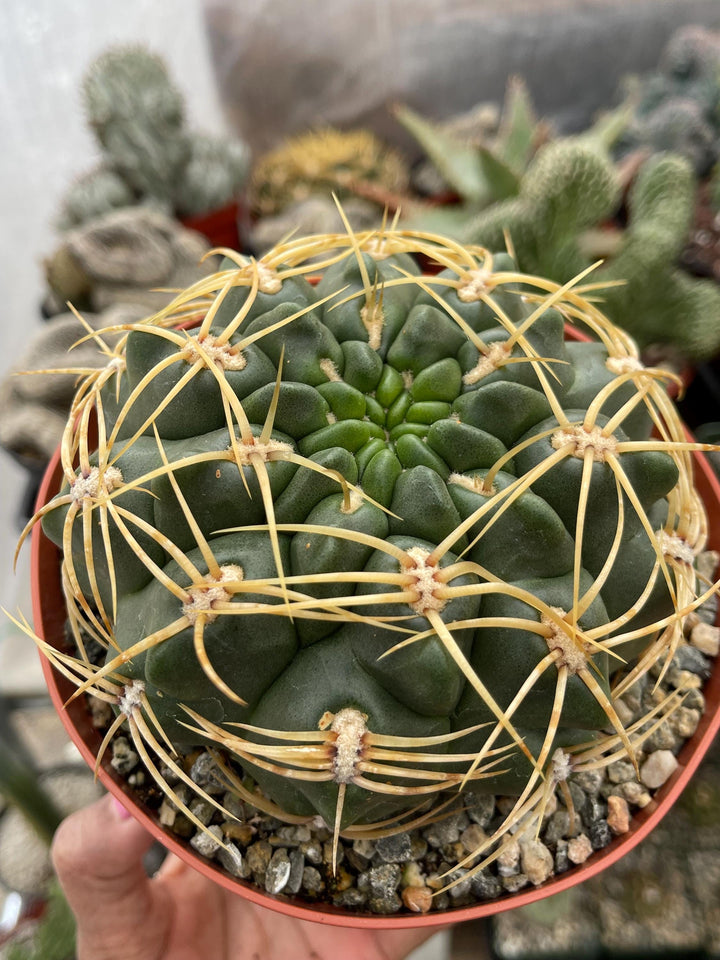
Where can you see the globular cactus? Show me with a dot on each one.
(346, 162)
(378, 539)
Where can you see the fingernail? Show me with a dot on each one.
(120, 810)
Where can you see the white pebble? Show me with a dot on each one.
(706, 639)
(657, 768)
(579, 848)
(537, 861)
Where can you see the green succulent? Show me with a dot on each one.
(377, 539)
(137, 115)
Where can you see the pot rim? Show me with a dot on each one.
(49, 625)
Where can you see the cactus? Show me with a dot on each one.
(659, 303)
(568, 188)
(377, 540)
(322, 161)
(678, 106)
(138, 117)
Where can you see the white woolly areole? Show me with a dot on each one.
(425, 582)
(474, 484)
(350, 727)
(222, 354)
(488, 363)
(131, 697)
(204, 596)
(674, 546)
(378, 248)
(355, 502)
(572, 655)
(269, 281)
(373, 320)
(624, 364)
(330, 370)
(560, 765)
(94, 484)
(245, 451)
(474, 284)
(116, 363)
(408, 379)
(583, 439)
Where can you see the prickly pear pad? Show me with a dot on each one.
(377, 539)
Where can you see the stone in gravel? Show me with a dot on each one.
(312, 882)
(508, 863)
(578, 795)
(203, 810)
(418, 846)
(385, 904)
(594, 809)
(579, 848)
(441, 901)
(536, 861)
(600, 834)
(384, 879)
(412, 875)
(167, 814)
(562, 861)
(183, 826)
(694, 700)
(624, 712)
(462, 881)
(278, 871)
(366, 848)
(685, 721)
(124, 758)
(690, 658)
(635, 793)
(480, 808)
(207, 843)
(683, 679)
(472, 838)
(295, 833)
(297, 867)
(233, 861)
(657, 768)
(242, 832)
(558, 826)
(258, 857)
(443, 832)
(706, 638)
(358, 863)
(485, 885)
(394, 849)
(312, 851)
(417, 899)
(618, 818)
(620, 771)
(351, 899)
(206, 774)
(664, 738)
(515, 883)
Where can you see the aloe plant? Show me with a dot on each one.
(377, 540)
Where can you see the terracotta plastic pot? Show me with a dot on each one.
(49, 622)
(226, 227)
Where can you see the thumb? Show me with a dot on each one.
(97, 853)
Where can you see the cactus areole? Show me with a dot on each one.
(377, 540)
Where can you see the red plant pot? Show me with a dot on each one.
(49, 623)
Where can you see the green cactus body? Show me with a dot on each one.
(377, 538)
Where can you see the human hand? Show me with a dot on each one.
(122, 914)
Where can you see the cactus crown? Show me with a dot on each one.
(379, 539)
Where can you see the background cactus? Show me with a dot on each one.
(678, 107)
(343, 534)
(138, 117)
(346, 162)
(552, 226)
